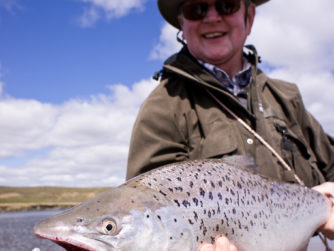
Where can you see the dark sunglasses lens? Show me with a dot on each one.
(227, 7)
(195, 11)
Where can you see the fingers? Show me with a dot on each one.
(221, 244)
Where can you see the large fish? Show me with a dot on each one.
(179, 206)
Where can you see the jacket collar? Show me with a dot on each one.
(186, 66)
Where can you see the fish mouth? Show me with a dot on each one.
(69, 247)
(70, 244)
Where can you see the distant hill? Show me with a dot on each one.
(37, 198)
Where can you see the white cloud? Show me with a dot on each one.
(296, 33)
(78, 143)
(296, 39)
(167, 45)
(95, 9)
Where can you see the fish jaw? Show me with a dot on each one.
(68, 239)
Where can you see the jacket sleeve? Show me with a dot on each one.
(320, 142)
(156, 139)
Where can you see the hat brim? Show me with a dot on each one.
(169, 10)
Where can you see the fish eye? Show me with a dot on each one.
(109, 226)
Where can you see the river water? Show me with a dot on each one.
(16, 233)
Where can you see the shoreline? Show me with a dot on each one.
(17, 207)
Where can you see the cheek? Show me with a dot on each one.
(189, 31)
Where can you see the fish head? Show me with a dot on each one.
(122, 218)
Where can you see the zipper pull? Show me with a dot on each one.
(286, 143)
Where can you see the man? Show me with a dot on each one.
(211, 82)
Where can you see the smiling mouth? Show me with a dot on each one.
(214, 35)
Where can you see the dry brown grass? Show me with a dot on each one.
(35, 198)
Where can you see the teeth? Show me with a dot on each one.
(213, 35)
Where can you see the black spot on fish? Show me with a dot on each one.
(209, 214)
(195, 216)
(191, 184)
(162, 193)
(220, 183)
(210, 196)
(212, 184)
(205, 230)
(159, 217)
(179, 189)
(179, 179)
(177, 203)
(170, 189)
(202, 192)
(191, 223)
(205, 181)
(239, 185)
(147, 216)
(234, 211)
(217, 228)
(232, 192)
(175, 220)
(195, 200)
(186, 203)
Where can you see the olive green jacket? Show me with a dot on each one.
(181, 121)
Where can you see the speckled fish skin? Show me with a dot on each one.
(179, 206)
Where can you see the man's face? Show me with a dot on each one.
(218, 39)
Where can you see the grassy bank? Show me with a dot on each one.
(38, 198)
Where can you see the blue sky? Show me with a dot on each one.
(48, 55)
(73, 74)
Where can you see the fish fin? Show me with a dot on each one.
(244, 162)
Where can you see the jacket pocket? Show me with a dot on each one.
(297, 153)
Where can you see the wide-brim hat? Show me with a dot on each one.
(169, 10)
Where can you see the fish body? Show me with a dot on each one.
(179, 206)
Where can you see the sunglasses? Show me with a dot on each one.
(198, 10)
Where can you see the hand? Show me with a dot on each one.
(221, 244)
(327, 189)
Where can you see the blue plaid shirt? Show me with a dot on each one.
(238, 85)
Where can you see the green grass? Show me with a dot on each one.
(32, 198)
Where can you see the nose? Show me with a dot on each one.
(212, 15)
